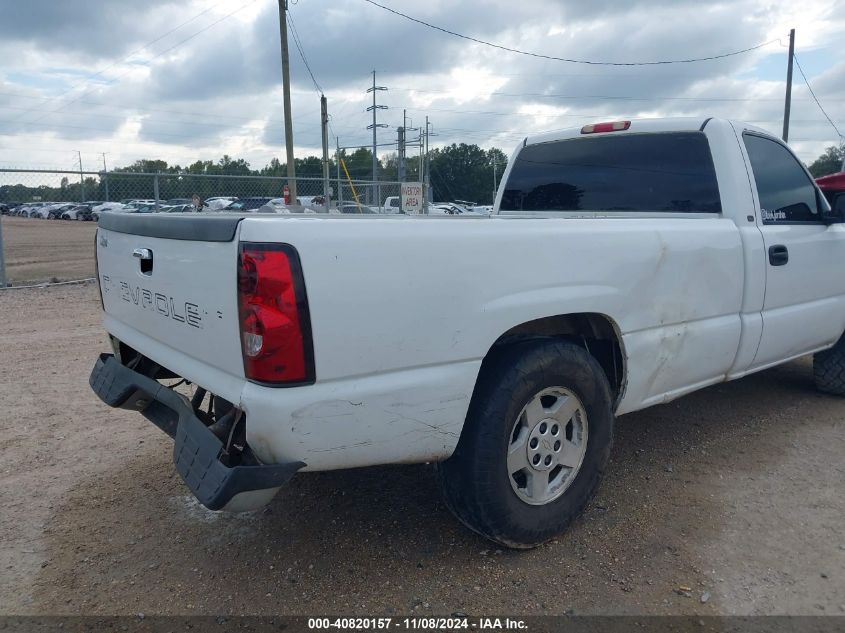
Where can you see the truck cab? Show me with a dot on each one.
(392, 204)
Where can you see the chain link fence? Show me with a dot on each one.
(30, 195)
(167, 189)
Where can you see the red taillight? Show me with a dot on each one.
(275, 325)
(615, 126)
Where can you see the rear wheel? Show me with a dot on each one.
(829, 369)
(534, 446)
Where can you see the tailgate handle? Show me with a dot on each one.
(145, 256)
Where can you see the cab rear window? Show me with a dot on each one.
(666, 172)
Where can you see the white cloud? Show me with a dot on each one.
(212, 87)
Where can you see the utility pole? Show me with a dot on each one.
(283, 32)
(400, 171)
(427, 175)
(788, 101)
(339, 181)
(2, 259)
(400, 167)
(324, 118)
(407, 142)
(105, 177)
(494, 181)
(374, 126)
(81, 179)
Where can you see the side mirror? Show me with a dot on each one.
(835, 213)
(839, 205)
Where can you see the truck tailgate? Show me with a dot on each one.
(161, 284)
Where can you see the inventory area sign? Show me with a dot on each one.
(412, 197)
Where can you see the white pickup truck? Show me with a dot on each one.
(625, 264)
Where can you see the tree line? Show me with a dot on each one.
(828, 163)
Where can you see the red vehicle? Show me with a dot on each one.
(833, 188)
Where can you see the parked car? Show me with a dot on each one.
(278, 205)
(139, 207)
(270, 207)
(219, 202)
(627, 264)
(247, 204)
(318, 204)
(459, 208)
(177, 208)
(392, 204)
(108, 207)
(11, 207)
(31, 210)
(55, 213)
(47, 211)
(353, 208)
(446, 208)
(77, 212)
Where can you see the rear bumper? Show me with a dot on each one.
(197, 451)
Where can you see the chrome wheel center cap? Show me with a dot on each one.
(544, 445)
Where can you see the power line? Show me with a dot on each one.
(298, 44)
(577, 115)
(345, 104)
(810, 88)
(540, 95)
(566, 59)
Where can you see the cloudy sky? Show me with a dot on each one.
(187, 80)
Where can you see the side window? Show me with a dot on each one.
(786, 193)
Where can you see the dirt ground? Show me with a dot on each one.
(735, 492)
(40, 250)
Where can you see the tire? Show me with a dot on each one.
(476, 481)
(829, 369)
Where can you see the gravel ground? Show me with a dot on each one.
(39, 250)
(728, 501)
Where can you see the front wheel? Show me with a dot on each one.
(829, 369)
(535, 443)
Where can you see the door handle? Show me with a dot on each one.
(778, 255)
